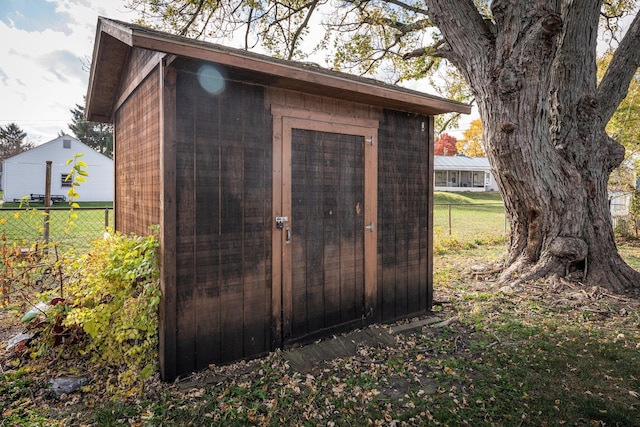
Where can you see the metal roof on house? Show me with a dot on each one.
(115, 40)
(461, 162)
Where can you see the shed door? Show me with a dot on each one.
(329, 197)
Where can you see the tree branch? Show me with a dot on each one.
(408, 7)
(185, 29)
(475, 35)
(623, 66)
(301, 27)
(429, 50)
(401, 27)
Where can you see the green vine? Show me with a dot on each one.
(76, 175)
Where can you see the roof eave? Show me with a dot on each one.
(367, 91)
(107, 34)
(113, 35)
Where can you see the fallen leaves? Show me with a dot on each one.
(500, 359)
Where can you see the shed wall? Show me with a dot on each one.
(137, 158)
(223, 163)
(405, 212)
(223, 223)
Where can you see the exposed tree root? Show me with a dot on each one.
(612, 274)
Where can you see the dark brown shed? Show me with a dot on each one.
(291, 200)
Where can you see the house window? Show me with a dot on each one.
(478, 179)
(64, 182)
(466, 179)
(452, 179)
(441, 179)
(66, 143)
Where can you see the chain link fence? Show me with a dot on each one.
(487, 222)
(464, 222)
(68, 228)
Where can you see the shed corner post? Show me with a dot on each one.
(430, 183)
(167, 325)
(278, 329)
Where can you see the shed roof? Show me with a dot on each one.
(115, 40)
(461, 163)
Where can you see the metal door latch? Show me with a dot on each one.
(280, 220)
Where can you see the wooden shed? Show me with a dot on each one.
(292, 201)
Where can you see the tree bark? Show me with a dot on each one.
(532, 69)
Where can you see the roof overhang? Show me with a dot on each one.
(115, 40)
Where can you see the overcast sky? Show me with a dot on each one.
(45, 49)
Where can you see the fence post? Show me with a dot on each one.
(47, 202)
(449, 219)
(106, 218)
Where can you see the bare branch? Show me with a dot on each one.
(246, 33)
(409, 7)
(401, 27)
(447, 122)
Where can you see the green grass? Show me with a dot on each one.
(466, 197)
(26, 226)
(464, 220)
(631, 254)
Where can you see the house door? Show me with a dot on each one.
(326, 228)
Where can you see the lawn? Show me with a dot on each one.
(560, 353)
(26, 225)
(467, 219)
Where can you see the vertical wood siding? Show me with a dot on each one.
(327, 246)
(404, 269)
(223, 226)
(137, 151)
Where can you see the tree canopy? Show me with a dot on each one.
(445, 145)
(471, 142)
(530, 67)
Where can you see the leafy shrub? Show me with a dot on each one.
(105, 309)
(113, 295)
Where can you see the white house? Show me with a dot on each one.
(25, 174)
(462, 173)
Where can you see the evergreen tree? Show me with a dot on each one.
(98, 136)
(12, 141)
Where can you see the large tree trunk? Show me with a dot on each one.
(533, 73)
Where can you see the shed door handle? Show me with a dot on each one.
(288, 237)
